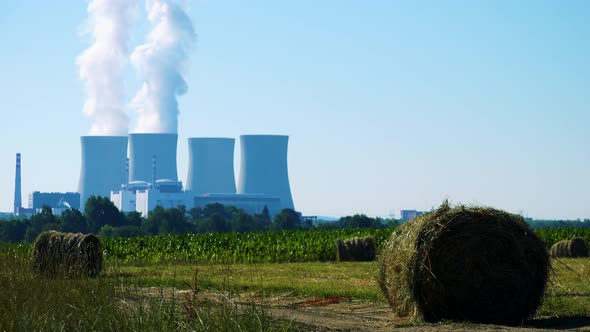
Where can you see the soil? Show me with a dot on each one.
(343, 314)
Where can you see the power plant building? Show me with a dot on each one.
(143, 197)
(37, 200)
(152, 175)
(211, 165)
(252, 204)
(103, 165)
(263, 167)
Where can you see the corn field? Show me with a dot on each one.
(259, 247)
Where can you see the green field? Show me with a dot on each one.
(256, 281)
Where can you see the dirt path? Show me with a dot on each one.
(361, 316)
(343, 314)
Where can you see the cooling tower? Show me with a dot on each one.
(103, 166)
(263, 167)
(142, 150)
(211, 165)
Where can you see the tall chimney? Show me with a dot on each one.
(17, 189)
(154, 171)
(127, 174)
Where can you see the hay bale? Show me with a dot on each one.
(573, 248)
(356, 249)
(67, 254)
(465, 264)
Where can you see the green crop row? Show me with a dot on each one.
(260, 247)
(269, 247)
(552, 235)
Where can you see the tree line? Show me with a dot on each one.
(102, 217)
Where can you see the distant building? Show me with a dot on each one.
(54, 200)
(140, 196)
(24, 212)
(410, 214)
(167, 194)
(250, 203)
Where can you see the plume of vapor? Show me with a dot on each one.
(160, 62)
(101, 64)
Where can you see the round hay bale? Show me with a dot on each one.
(341, 251)
(355, 249)
(66, 254)
(465, 264)
(573, 248)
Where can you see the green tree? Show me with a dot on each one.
(287, 219)
(12, 231)
(40, 222)
(216, 223)
(166, 221)
(263, 220)
(211, 209)
(100, 211)
(242, 223)
(133, 219)
(72, 221)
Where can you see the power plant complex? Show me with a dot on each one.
(139, 172)
(149, 178)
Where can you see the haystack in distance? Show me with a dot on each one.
(573, 248)
(67, 255)
(464, 264)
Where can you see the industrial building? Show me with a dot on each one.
(166, 193)
(151, 178)
(410, 214)
(54, 200)
(250, 203)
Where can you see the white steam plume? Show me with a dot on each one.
(160, 61)
(101, 65)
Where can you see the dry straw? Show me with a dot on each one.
(573, 248)
(465, 264)
(67, 254)
(355, 249)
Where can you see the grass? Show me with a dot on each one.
(569, 289)
(31, 303)
(142, 296)
(345, 279)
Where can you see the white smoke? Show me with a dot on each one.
(160, 62)
(101, 65)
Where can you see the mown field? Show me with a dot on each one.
(255, 281)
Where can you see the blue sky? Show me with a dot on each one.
(389, 105)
